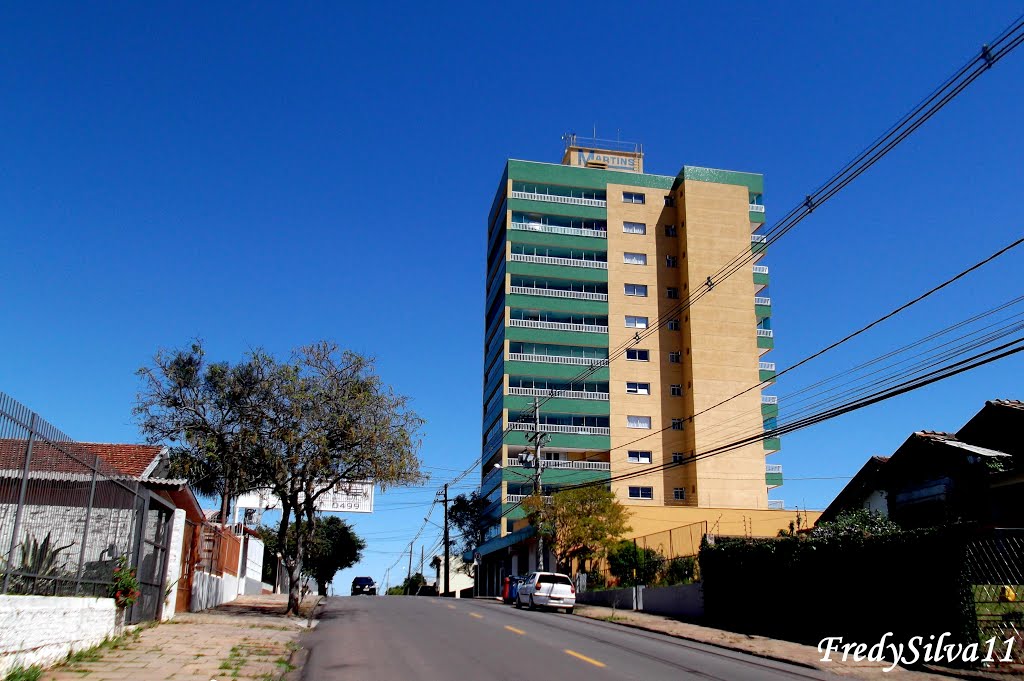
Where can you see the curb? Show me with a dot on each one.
(298, 660)
(766, 656)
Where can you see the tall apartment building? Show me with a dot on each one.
(584, 257)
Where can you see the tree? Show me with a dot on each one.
(303, 426)
(334, 547)
(860, 522)
(203, 410)
(634, 565)
(466, 515)
(409, 586)
(579, 523)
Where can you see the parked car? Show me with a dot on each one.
(364, 585)
(546, 590)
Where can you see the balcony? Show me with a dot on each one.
(766, 371)
(758, 244)
(762, 300)
(564, 262)
(519, 498)
(576, 465)
(772, 444)
(755, 208)
(570, 430)
(557, 293)
(769, 399)
(776, 504)
(773, 475)
(760, 277)
(555, 229)
(557, 359)
(557, 326)
(567, 394)
(765, 340)
(556, 198)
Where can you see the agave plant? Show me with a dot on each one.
(39, 566)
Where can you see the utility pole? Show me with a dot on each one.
(408, 577)
(538, 441)
(421, 559)
(446, 576)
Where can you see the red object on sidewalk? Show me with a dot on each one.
(504, 589)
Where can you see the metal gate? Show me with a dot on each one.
(154, 535)
(995, 564)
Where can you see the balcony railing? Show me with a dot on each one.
(758, 239)
(568, 394)
(565, 262)
(555, 198)
(766, 366)
(769, 399)
(557, 359)
(766, 333)
(518, 498)
(762, 300)
(773, 468)
(558, 326)
(760, 269)
(756, 208)
(571, 430)
(555, 229)
(578, 465)
(557, 293)
(776, 504)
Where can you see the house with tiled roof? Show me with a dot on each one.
(973, 475)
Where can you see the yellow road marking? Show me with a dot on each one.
(514, 630)
(473, 614)
(591, 660)
(451, 607)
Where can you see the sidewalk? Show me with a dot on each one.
(248, 639)
(774, 649)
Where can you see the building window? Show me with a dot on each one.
(638, 388)
(638, 355)
(673, 357)
(672, 293)
(673, 325)
(679, 494)
(642, 422)
(670, 200)
(634, 258)
(677, 457)
(636, 290)
(671, 261)
(634, 228)
(636, 322)
(670, 230)
(676, 390)
(633, 197)
(639, 457)
(641, 492)
(677, 424)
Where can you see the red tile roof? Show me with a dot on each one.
(131, 460)
(76, 457)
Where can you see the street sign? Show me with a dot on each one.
(349, 496)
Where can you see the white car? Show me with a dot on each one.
(547, 590)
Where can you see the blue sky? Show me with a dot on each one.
(274, 176)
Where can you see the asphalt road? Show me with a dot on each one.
(411, 638)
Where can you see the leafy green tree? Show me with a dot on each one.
(579, 523)
(860, 522)
(297, 428)
(634, 565)
(466, 516)
(409, 586)
(335, 546)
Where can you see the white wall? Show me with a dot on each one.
(251, 574)
(174, 563)
(44, 629)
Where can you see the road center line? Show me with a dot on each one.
(514, 630)
(473, 614)
(589, 660)
(451, 607)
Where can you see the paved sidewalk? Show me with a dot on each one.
(775, 649)
(248, 639)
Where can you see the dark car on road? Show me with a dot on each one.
(364, 585)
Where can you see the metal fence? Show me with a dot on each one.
(995, 567)
(67, 516)
(656, 559)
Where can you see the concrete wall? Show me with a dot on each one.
(174, 563)
(250, 582)
(683, 600)
(44, 629)
(209, 591)
(623, 599)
